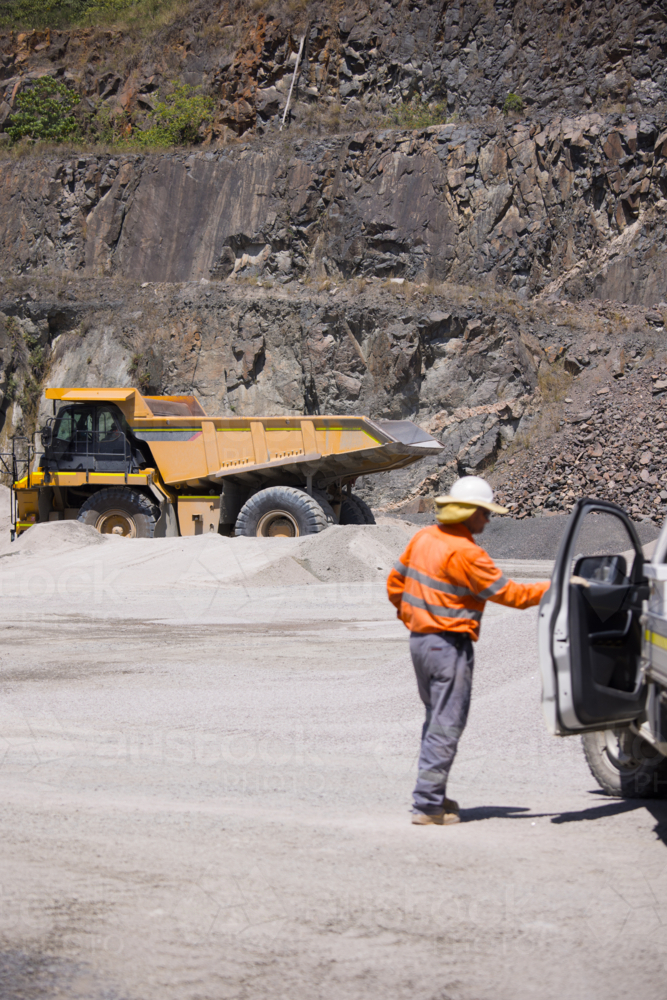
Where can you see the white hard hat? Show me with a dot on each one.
(472, 490)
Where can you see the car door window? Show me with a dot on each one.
(597, 630)
(602, 533)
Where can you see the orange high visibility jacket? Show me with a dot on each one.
(443, 580)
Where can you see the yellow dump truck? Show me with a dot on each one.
(156, 466)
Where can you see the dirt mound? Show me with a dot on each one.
(354, 552)
(57, 536)
(341, 554)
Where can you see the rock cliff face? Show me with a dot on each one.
(457, 274)
(569, 204)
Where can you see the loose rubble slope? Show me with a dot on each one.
(612, 446)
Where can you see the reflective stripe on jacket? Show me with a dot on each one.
(443, 580)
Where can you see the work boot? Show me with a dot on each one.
(447, 817)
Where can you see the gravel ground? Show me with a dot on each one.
(533, 538)
(206, 784)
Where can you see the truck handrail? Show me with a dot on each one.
(16, 467)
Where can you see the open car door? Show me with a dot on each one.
(589, 623)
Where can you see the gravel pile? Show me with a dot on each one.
(349, 554)
(612, 446)
(52, 537)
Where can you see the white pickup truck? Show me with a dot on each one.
(603, 649)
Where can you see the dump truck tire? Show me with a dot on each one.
(364, 508)
(353, 510)
(625, 765)
(281, 512)
(120, 511)
(323, 501)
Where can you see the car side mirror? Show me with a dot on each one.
(610, 570)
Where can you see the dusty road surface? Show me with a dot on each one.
(206, 782)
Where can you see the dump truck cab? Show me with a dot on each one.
(150, 466)
(93, 437)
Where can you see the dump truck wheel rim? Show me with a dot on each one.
(116, 522)
(278, 524)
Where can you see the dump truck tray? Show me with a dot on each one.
(188, 446)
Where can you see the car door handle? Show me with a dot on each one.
(613, 633)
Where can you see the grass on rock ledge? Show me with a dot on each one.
(41, 14)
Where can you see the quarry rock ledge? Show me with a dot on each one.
(570, 205)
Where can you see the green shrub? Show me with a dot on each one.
(30, 396)
(37, 362)
(60, 13)
(513, 104)
(43, 112)
(415, 114)
(40, 13)
(138, 371)
(176, 120)
(109, 125)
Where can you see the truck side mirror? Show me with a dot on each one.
(46, 434)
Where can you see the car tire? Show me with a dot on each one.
(353, 510)
(281, 512)
(625, 765)
(120, 511)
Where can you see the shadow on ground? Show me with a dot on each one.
(657, 808)
(35, 976)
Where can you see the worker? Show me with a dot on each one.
(439, 588)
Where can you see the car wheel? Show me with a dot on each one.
(626, 765)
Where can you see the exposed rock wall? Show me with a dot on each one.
(574, 204)
(256, 352)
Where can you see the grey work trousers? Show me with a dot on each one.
(443, 663)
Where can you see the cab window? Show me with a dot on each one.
(107, 425)
(71, 422)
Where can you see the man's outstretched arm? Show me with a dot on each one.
(490, 584)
